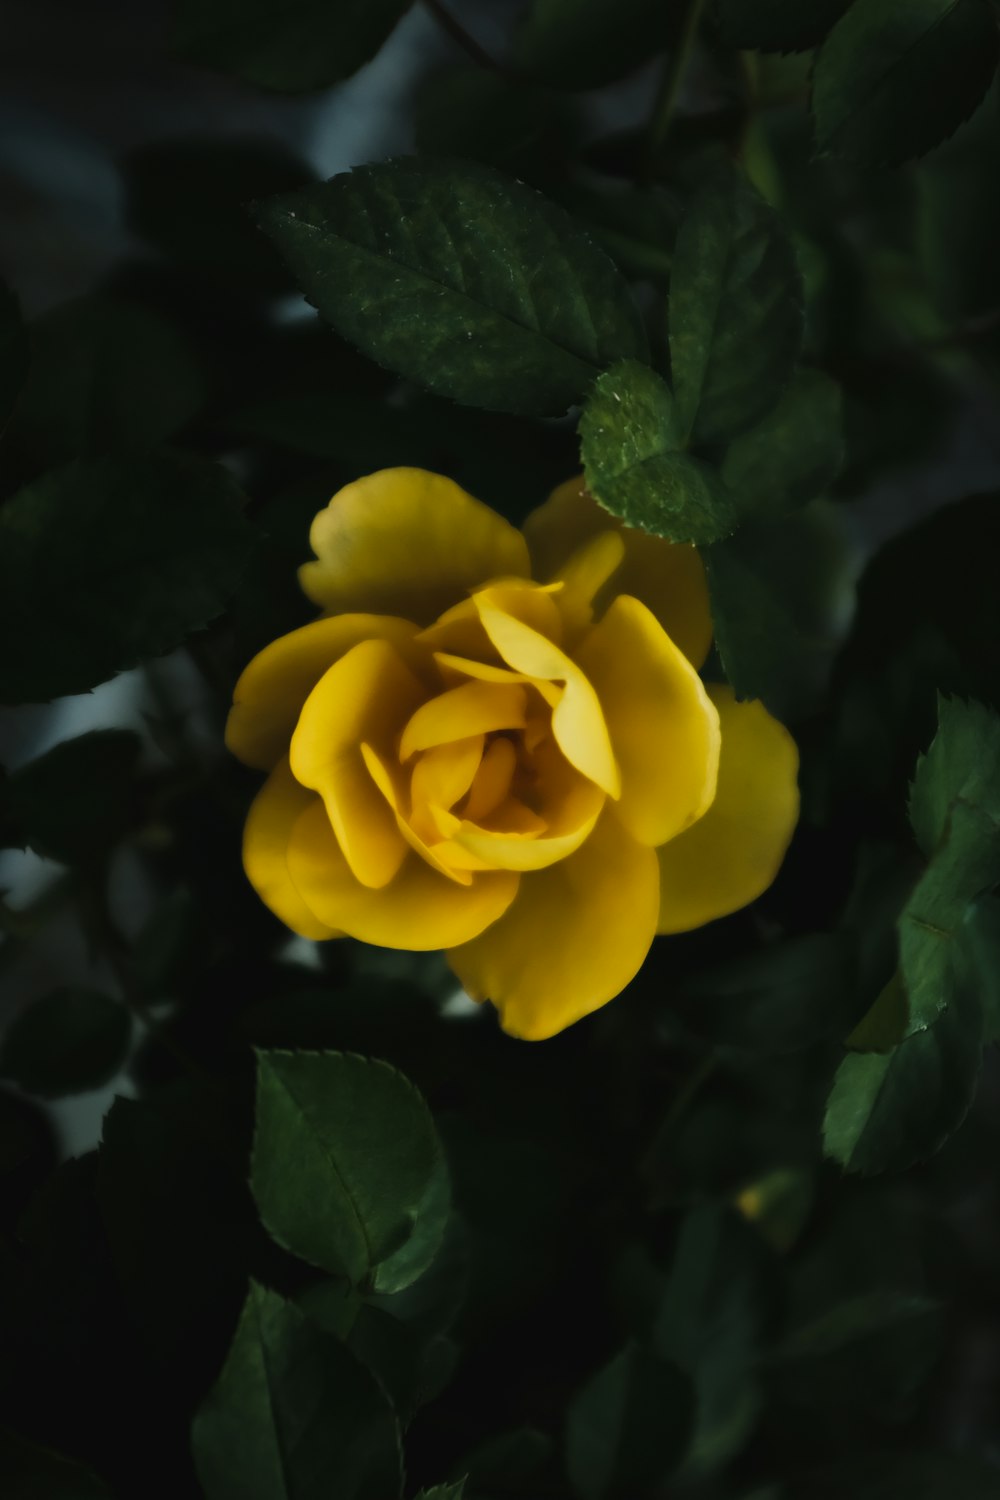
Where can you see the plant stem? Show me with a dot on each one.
(673, 75)
(458, 34)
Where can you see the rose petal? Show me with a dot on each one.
(273, 813)
(733, 853)
(409, 542)
(575, 936)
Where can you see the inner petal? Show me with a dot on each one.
(472, 708)
(364, 696)
(441, 777)
(577, 720)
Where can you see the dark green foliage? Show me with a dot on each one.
(896, 77)
(291, 47)
(583, 48)
(293, 1415)
(106, 375)
(628, 1426)
(735, 311)
(159, 539)
(780, 592)
(365, 1130)
(68, 1041)
(459, 279)
(190, 200)
(72, 804)
(777, 25)
(636, 467)
(732, 1236)
(14, 355)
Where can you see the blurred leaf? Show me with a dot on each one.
(777, 25)
(709, 1323)
(13, 352)
(735, 311)
(780, 591)
(472, 285)
(29, 1472)
(507, 1463)
(288, 45)
(106, 376)
(583, 48)
(72, 803)
(634, 466)
(293, 1416)
(922, 1474)
(980, 941)
(895, 77)
(444, 1492)
(793, 454)
(636, 226)
(869, 1353)
(958, 223)
(489, 117)
(887, 1110)
(71, 1040)
(190, 199)
(955, 811)
(788, 995)
(347, 1169)
(158, 538)
(629, 1425)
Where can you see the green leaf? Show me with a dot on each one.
(72, 803)
(785, 997)
(709, 1323)
(288, 45)
(71, 1040)
(636, 226)
(868, 1354)
(106, 375)
(444, 1492)
(189, 198)
(634, 466)
(347, 1169)
(980, 941)
(888, 1110)
(895, 77)
(962, 763)
(158, 539)
(30, 1472)
(13, 352)
(735, 311)
(793, 454)
(293, 1416)
(920, 1474)
(452, 276)
(578, 47)
(955, 812)
(781, 593)
(777, 25)
(628, 1426)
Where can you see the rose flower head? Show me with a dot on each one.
(496, 742)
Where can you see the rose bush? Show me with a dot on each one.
(497, 742)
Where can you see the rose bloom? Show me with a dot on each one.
(496, 742)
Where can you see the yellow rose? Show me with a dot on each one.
(497, 743)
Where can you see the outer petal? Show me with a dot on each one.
(575, 936)
(664, 728)
(734, 852)
(269, 695)
(407, 541)
(668, 578)
(364, 697)
(273, 813)
(419, 909)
